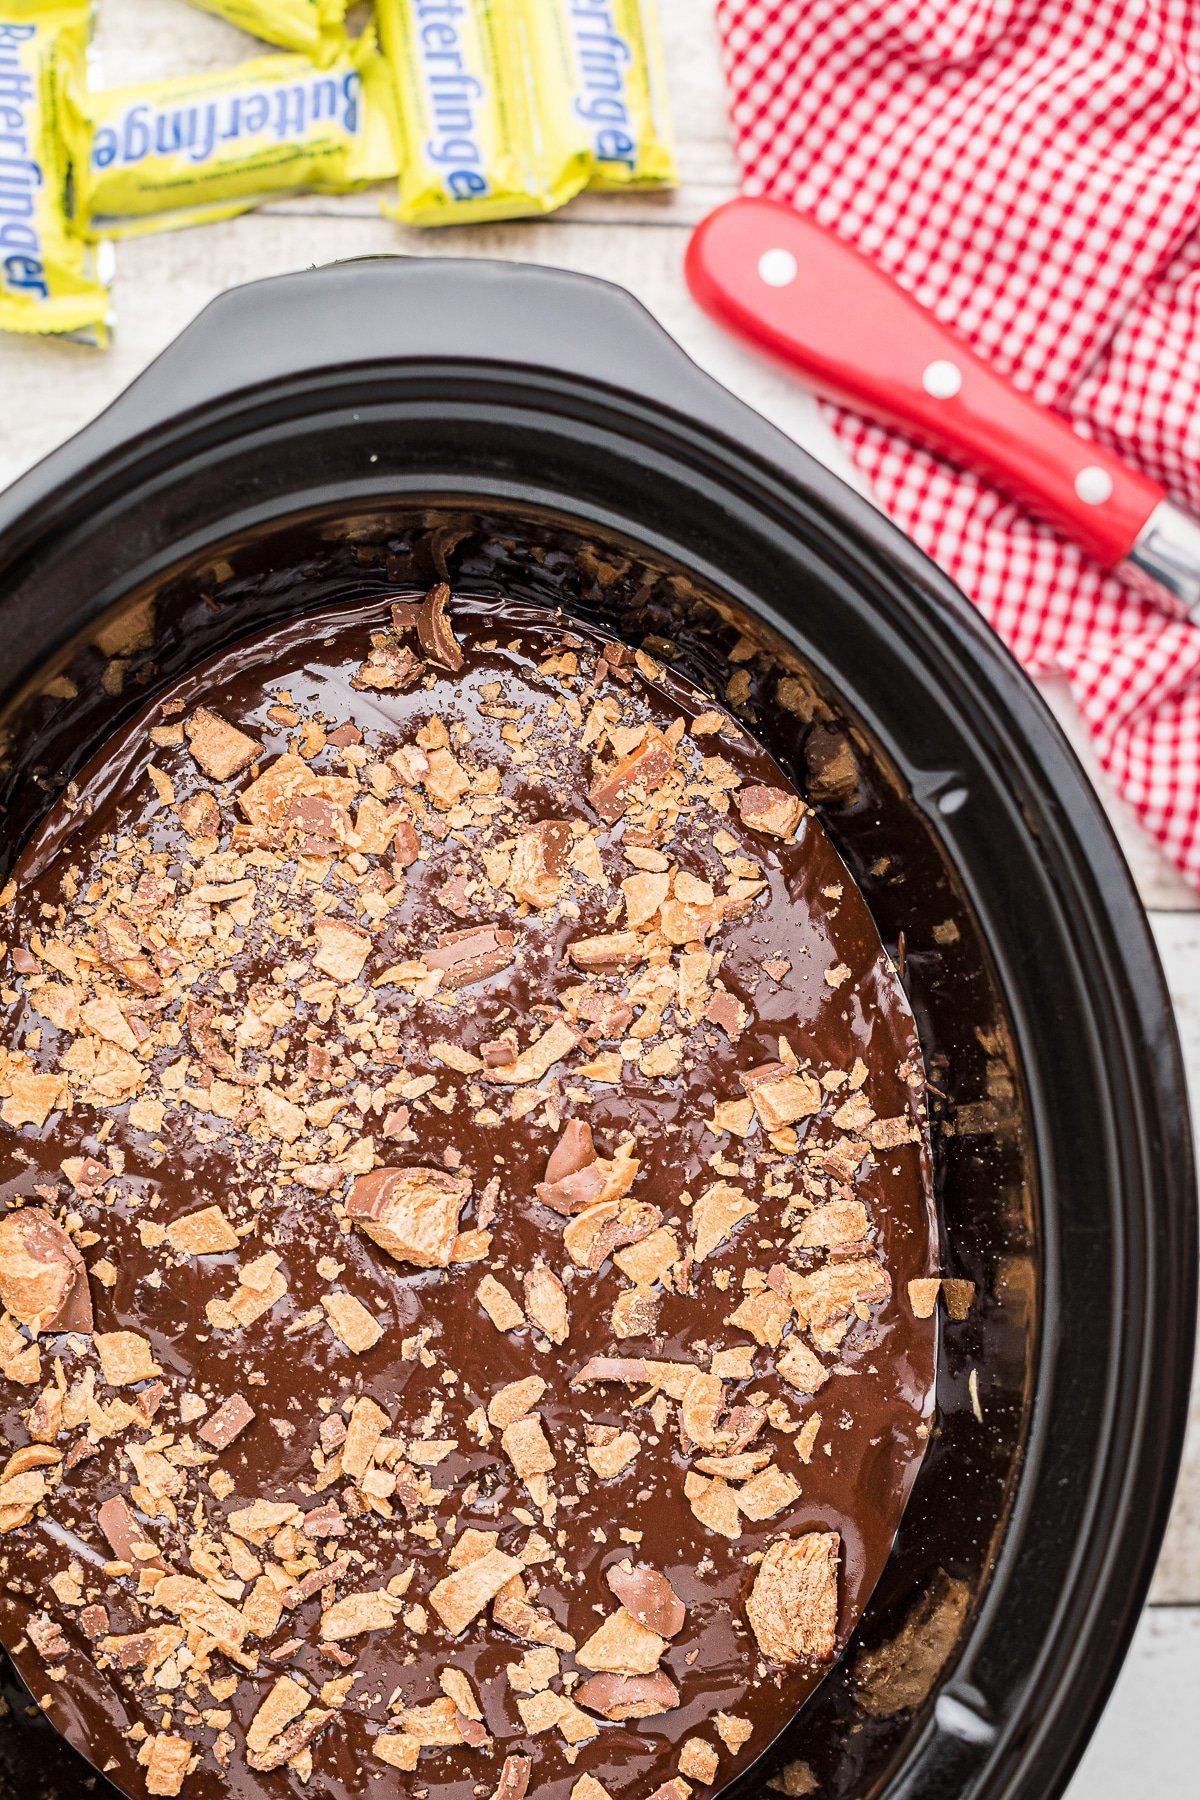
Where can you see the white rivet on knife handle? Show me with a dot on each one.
(1094, 486)
(942, 379)
(778, 268)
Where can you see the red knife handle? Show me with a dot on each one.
(797, 291)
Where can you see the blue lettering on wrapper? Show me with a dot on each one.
(436, 36)
(199, 130)
(16, 83)
(22, 264)
(258, 111)
(325, 100)
(616, 146)
(134, 140)
(20, 180)
(601, 110)
(603, 58)
(169, 135)
(352, 99)
(466, 184)
(453, 94)
(14, 235)
(26, 275)
(453, 150)
(289, 113)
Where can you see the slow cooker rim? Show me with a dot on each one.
(1109, 891)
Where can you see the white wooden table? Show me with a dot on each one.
(1150, 1738)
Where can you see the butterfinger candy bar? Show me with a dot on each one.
(314, 28)
(208, 146)
(472, 148)
(596, 72)
(48, 278)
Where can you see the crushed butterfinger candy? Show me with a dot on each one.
(458, 1234)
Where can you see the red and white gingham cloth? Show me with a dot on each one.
(1030, 171)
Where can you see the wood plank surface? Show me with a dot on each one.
(50, 389)
(1147, 1741)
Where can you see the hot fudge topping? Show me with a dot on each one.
(463, 1169)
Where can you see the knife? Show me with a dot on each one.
(792, 288)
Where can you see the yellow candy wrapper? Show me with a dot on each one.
(597, 76)
(471, 146)
(203, 147)
(314, 28)
(48, 280)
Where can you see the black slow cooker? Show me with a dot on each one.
(368, 426)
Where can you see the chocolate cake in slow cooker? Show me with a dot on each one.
(467, 1250)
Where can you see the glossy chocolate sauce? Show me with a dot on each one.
(439, 1358)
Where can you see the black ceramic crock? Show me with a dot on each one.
(370, 425)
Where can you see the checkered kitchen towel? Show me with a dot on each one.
(1030, 171)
